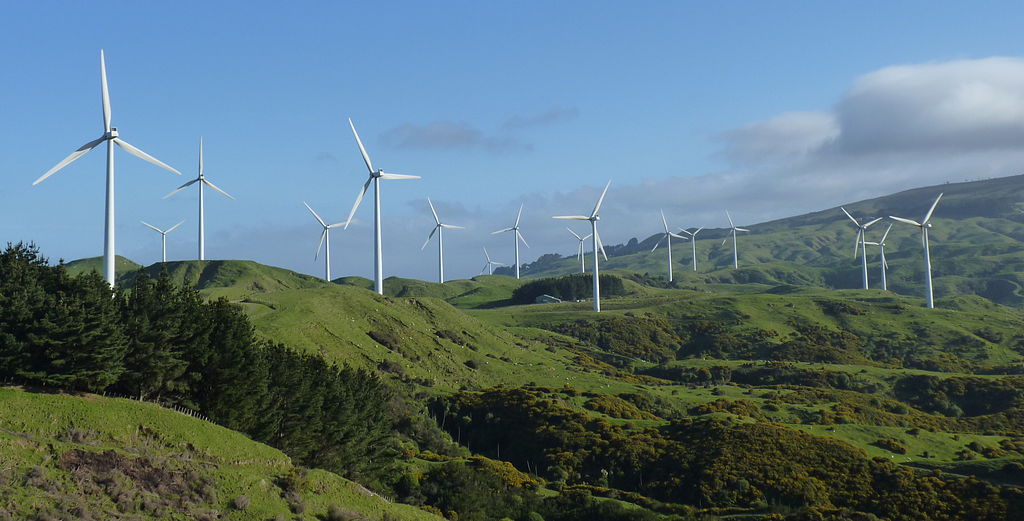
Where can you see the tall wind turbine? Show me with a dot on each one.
(579, 251)
(881, 247)
(859, 242)
(375, 177)
(325, 237)
(163, 236)
(733, 229)
(517, 237)
(667, 235)
(202, 180)
(693, 242)
(110, 136)
(593, 218)
(439, 229)
(489, 267)
(924, 225)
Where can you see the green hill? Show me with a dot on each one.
(93, 457)
(482, 290)
(122, 266)
(233, 279)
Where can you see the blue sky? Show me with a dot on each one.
(764, 107)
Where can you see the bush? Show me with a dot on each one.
(241, 502)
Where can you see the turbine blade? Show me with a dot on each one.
(885, 263)
(154, 228)
(452, 226)
(727, 216)
(502, 231)
(601, 199)
(398, 176)
(182, 187)
(574, 234)
(902, 220)
(725, 239)
(884, 235)
(518, 215)
(323, 235)
(436, 219)
(359, 199)
(488, 255)
(931, 210)
(201, 163)
(694, 234)
(856, 242)
(872, 222)
(171, 229)
(599, 243)
(335, 225)
(663, 221)
(679, 236)
(82, 150)
(850, 216)
(142, 155)
(586, 237)
(575, 217)
(211, 185)
(521, 238)
(741, 229)
(105, 92)
(431, 236)
(362, 150)
(658, 243)
(318, 219)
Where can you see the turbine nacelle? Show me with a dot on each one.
(112, 134)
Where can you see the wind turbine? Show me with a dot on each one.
(489, 267)
(202, 180)
(110, 136)
(667, 235)
(594, 217)
(518, 237)
(325, 236)
(439, 229)
(579, 251)
(375, 177)
(924, 225)
(163, 236)
(734, 229)
(881, 246)
(693, 242)
(859, 242)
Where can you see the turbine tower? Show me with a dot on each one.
(881, 247)
(517, 237)
(163, 236)
(375, 177)
(734, 229)
(325, 236)
(439, 229)
(667, 235)
(859, 242)
(579, 251)
(202, 180)
(924, 225)
(693, 242)
(110, 136)
(593, 218)
(489, 267)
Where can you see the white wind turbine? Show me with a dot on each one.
(202, 180)
(489, 267)
(163, 236)
(375, 177)
(439, 229)
(733, 229)
(110, 136)
(924, 225)
(859, 242)
(517, 237)
(325, 237)
(881, 247)
(579, 251)
(693, 242)
(667, 235)
(594, 217)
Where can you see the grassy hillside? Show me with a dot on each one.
(91, 457)
(480, 291)
(233, 279)
(122, 266)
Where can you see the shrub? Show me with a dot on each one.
(241, 502)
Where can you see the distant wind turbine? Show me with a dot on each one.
(924, 225)
(439, 229)
(516, 237)
(593, 218)
(667, 236)
(325, 237)
(733, 228)
(202, 180)
(163, 236)
(881, 247)
(489, 267)
(375, 177)
(110, 136)
(579, 251)
(859, 242)
(693, 242)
